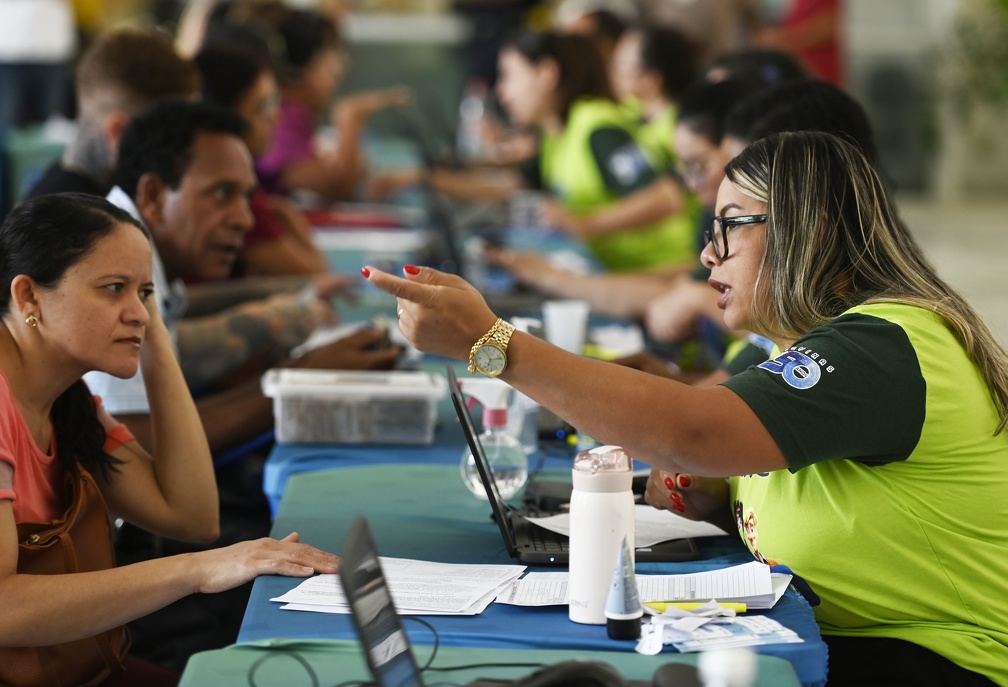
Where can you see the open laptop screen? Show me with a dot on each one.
(525, 540)
(385, 643)
(497, 503)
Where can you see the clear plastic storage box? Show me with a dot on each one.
(321, 407)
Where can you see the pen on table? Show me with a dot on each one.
(660, 606)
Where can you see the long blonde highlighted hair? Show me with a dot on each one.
(834, 240)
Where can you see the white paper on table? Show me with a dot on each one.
(328, 334)
(536, 589)
(344, 608)
(475, 609)
(569, 260)
(749, 583)
(725, 633)
(416, 585)
(673, 614)
(618, 339)
(780, 583)
(325, 335)
(651, 526)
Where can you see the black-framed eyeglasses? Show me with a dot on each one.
(717, 233)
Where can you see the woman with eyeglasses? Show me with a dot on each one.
(870, 456)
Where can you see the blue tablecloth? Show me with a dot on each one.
(425, 512)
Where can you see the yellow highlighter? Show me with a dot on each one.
(660, 606)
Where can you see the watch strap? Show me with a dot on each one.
(500, 333)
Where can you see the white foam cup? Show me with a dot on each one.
(565, 323)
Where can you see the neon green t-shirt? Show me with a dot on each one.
(655, 137)
(895, 509)
(596, 160)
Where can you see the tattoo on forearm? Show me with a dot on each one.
(212, 347)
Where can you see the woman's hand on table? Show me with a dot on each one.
(220, 569)
(529, 268)
(439, 313)
(691, 496)
(365, 349)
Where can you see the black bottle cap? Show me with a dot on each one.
(623, 629)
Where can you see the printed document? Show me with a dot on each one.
(417, 587)
(751, 583)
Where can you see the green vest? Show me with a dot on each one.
(569, 170)
(655, 137)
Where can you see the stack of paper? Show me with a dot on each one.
(698, 634)
(651, 526)
(751, 583)
(417, 587)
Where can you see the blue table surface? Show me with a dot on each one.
(423, 511)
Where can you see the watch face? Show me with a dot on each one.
(490, 360)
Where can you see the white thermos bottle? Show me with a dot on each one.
(601, 514)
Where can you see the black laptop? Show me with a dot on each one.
(387, 648)
(385, 643)
(527, 541)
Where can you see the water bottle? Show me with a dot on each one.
(601, 514)
(475, 261)
(523, 412)
(472, 109)
(523, 421)
(507, 458)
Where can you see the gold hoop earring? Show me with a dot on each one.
(31, 321)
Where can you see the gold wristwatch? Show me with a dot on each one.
(489, 355)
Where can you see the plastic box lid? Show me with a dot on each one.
(295, 382)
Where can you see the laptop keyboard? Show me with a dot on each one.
(549, 542)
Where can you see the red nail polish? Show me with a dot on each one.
(411, 269)
(669, 483)
(679, 507)
(365, 271)
(675, 497)
(685, 481)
